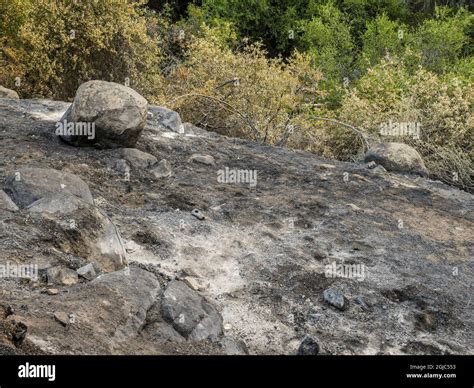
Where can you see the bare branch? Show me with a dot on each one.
(229, 107)
(360, 134)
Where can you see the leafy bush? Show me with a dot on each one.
(443, 107)
(62, 44)
(441, 40)
(327, 38)
(309, 74)
(383, 36)
(241, 94)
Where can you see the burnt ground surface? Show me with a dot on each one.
(259, 255)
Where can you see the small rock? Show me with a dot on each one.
(361, 302)
(62, 317)
(63, 276)
(233, 347)
(379, 170)
(162, 170)
(335, 298)
(19, 333)
(10, 311)
(196, 213)
(314, 318)
(308, 347)
(325, 166)
(8, 93)
(8, 351)
(87, 272)
(192, 283)
(354, 207)
(138, 159)
(6, 203)
(122, 166)
(426, 321)
(208, 160)
(52, 291)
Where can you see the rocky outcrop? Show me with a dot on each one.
(27, 185)
(318, 257)
(85, 230)
(117, 112)
(398, 157)
(190, 314)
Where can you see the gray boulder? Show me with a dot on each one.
(131, 292)
(162, 170)
(27, 185)
(8, 93)
(234, 347)
(62, 276)
(207, 160)
(87, 272)
(118, 112)
(138, 159)
(189, 313)
(84, 230)
(335, 298)
(308, 347)
(163, 118)
(397, 157)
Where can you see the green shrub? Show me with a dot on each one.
(241, 94)
(442, 40)
(62, 44)
(383, 36)
(442, 105)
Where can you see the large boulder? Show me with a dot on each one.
(131, 293)
(109, 316)
(397, 157)
(118, 113)
(189, 313)
(82, 229)
(27, 185)
(8, 93)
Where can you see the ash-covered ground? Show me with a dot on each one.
(259, 257)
